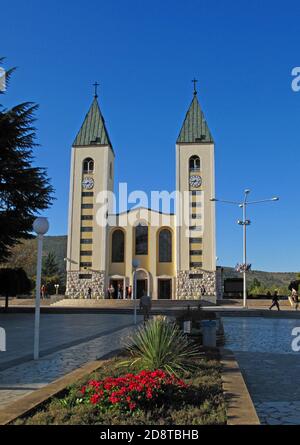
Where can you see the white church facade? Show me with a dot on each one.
(174, 253)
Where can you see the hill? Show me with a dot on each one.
(266, 279)
(25, 254)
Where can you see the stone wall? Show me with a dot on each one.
(188, 288)
(78, 287)
(219, 282)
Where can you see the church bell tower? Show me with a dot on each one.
(92, 172)
(195, 182)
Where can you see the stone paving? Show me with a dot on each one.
(271, 369)
(19, 380)
(57, 331)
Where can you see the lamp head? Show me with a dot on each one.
(41, 225)
(135, 263)
(276, 198)
(247, 191)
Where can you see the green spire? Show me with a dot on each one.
(194, 128)
(93, 130)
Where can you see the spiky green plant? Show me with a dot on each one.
(162, 345)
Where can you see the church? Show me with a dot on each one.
(173, 258)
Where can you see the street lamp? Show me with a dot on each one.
(41, 227)
(135, 265)
(244, 223)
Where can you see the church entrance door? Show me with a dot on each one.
(165, 289)
(141, 286)
(118, 286)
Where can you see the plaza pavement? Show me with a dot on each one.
(262, 347)
(67, 342)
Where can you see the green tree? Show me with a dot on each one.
(50, 266)
(254, 284)
(13, 282)
(24, 188)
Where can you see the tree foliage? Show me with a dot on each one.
(24, 188)
(51, 274)
(13, 282)
(50, 266)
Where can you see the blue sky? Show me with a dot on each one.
(144, 54)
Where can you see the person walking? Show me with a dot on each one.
(145, 306)
(43, 291)
(295, 298)
(129, 292)
(119, 292)
(89, 293)
(275, 301)
(111, 292)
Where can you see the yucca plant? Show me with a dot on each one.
(162, 345)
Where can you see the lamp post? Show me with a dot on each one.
(135, 265)
(56, 288)
(245, 222)
(41, 227)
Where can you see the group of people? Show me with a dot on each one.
(118, 293)
(293, 299)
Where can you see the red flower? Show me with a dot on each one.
(94, 399)
(132, 406)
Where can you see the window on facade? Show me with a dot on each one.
(88, 165)
(165, 246)
(117, 246)
(85, 264)
(194, 163)
(141, 240)
(86, 229)
(86, 241)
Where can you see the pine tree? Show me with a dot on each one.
(50, 266)
(24, 189)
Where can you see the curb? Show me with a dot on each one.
(31, 401)
(239, 406)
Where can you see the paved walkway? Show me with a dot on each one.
(271, 369)
(21, 379)
(57, 331)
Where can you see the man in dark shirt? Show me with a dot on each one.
(275, 301)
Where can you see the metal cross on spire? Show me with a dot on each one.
(195, 89)
(96, 84)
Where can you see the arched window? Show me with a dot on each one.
(194, 163)
(165, 246)
(117, 247)
(88, 165)
(141, 240)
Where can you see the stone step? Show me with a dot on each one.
(81, 302)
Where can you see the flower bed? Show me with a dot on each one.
(118, 395)
(132, 392)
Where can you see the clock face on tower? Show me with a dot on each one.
(195, 181)
(88, 183)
